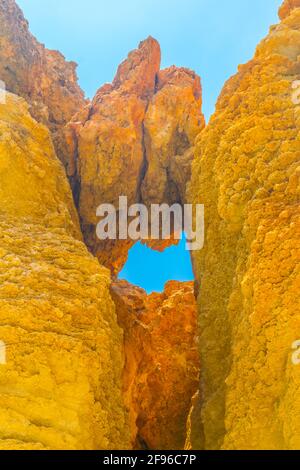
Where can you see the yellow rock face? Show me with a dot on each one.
(61, 361)
(246, 172)
(161, 371)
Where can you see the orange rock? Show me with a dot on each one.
(162, 363)
(287, 7)
(246, 173)
(172, 122)
(137, 74)
(103, 147)
(135, 139)
(41, 76)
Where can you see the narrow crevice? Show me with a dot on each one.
(75, 180)
(145, 164)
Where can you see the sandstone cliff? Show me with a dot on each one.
(61, 385)
(246, 172)
(135, 139)
(162, 363)
(39, 75)
(69, 368)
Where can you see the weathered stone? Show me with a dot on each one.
(61, 385)
(41, 76)
(246, 173)
(161, 371)
(135, 139)
(287, 7)
(172, 123)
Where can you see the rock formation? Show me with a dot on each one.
(172, 122)
(62, 365)
(162, 364)
(287, 7)
(246, 172)
(135, 139)
(61, 385)
(69, 377)
(39, 75)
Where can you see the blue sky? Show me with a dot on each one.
(211, 37)
(151, 270)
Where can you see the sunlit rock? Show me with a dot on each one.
(135, 139)
(60, 382)
(246, 172)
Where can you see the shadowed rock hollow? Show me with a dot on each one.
(161, 371)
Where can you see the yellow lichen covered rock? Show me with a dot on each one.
(246, 172)
(61, 360)
(161, 371)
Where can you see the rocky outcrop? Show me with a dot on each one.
(172, 122)
(246, 172)
(61, 385)
(162, 366)
(139, 132)
(287, 7)
(41, 76)
(69, 378)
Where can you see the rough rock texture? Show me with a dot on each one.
(39, 75)
(134, 140)
(287, 7)
(61, 386)
(162, 362)
(246, 172)
(172, 123)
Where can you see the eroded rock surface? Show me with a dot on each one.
(135, 139)
(246, 172)
(61, 385)
(172, 123)
(162, 365)
(287, 7)
(43, 77)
